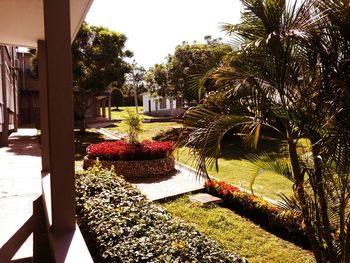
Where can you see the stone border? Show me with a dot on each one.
(137, 168)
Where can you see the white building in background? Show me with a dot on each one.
(162, 107)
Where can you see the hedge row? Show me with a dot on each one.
(120, 225)
(264, 213)
(121, 150)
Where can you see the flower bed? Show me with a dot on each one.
(146, 159)
(121, 150)
(288, 225)
(120, 225)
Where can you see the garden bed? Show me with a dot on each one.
(138, 160)
(137, 168)
(120, 225)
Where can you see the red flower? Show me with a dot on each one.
(121, 150)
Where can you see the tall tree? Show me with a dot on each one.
(98, 61)
(135, 82)
(176, 76)
(290, 74)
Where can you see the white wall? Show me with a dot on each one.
(145, 100)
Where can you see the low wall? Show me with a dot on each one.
(137, 168)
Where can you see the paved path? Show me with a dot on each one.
(20, 186)
(182, 182)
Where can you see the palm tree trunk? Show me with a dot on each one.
(320, 190)
(300, 191)
(347, 245)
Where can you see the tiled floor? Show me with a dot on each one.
(20, 177)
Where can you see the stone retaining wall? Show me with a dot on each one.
(137, 168)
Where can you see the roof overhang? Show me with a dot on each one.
(22, 21)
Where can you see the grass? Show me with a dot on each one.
(238, 171)
(83, 140)
(237, 234)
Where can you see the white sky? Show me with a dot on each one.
(155, 27)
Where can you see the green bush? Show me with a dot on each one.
(120, 225)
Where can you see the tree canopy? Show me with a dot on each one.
(99, 58)
(175, 77)
(99, 64)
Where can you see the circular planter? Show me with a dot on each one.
(137, 168)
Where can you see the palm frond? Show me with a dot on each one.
(288, 206)
(206, 130)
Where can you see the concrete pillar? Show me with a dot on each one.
(98, 108)
(43, 98)
(5, 127)
(109, 108)
(104, 108)
(60, 113)
(15, 78)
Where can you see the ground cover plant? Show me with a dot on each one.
(120, 225)
(236, 233)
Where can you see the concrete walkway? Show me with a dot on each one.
(20, 191)
(182, 182)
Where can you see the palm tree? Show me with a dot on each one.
(291, 73)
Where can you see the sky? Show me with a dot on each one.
(155, 27)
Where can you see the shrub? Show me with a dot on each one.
(120, 225)
(134, 123)
(259, 210)
(121, 150)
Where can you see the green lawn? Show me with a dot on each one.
(149, 129)
(238, 234)
(237, 171)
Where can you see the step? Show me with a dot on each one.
(205, 199)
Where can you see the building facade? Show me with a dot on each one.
(161, 107)
(9, 74)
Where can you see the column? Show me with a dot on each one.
(44, 120)
(109, 107)
(5, 127)
(104, 108)
(60, 113)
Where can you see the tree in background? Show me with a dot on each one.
(98, 62)
(175, 77)
(134, 84)
(291, 74)
(98, 58)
